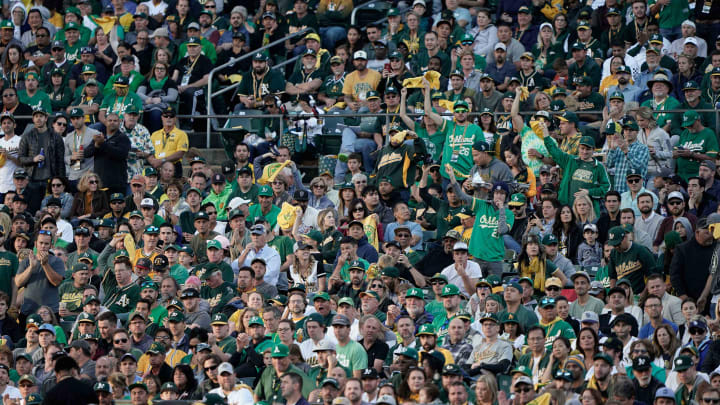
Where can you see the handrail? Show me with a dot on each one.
(235, 60)
(287, 61)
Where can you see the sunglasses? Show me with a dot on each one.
(211, 368)
(697, 331)
(460, 110)
(634, 180)
(63, 124)
(552, 288)
(515, 207)
(711, 400)
(168, 116)
(123, 340)
(92, 182)
(675, 202)
(56, 184)
(402, 235)
(437, 283)
(44, 232)
(524, 389)
(358, 209)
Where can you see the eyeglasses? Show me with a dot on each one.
(61, 123)
(675, 202)
(162, 337)
(359, 209)
(278, 183)
(44, 232)
(319, 186)
(121, 340)
(697, 331)
(524, 389)
(402, 235)
(9, 95)
(553, 288)
(211, 368)
(377, 286)
(640, 351)
(634, 180)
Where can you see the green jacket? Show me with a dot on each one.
(208, 49)
(219, 201)
(269, 384)
(579, 175)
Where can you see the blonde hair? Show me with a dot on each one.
(83, 184)
(591, 211)
(321, 218)
(646, 114)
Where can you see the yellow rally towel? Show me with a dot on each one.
(416, 82)
(235, 78)
(370, 227)
(535, 125)
(106, 23)
(129, 244)
(525, 94)
(287, 215)
(543, 399)
(447, 104)
(271, 171)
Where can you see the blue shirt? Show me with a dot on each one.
(647, 331)
(415, 230)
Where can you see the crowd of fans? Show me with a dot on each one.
(543, 174)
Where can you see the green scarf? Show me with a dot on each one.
(157, 85)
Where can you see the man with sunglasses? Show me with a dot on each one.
(635, 187)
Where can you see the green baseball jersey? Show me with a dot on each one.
(457, 150)
(634, 264)
(704, 141)
(8, 270)
(485, 243)
(71, 296)
(555, 328)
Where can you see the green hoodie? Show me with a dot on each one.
(578, 175)
(219, 200)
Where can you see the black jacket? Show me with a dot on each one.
(689, 268)
(111, 159)
(647, 394)
(53, 147)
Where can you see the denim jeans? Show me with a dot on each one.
(351, 143)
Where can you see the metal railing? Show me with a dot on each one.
(210, 94)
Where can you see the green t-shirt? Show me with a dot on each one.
(526, 317)
(352, 356)
(701, 142)
(433, 142)
(227, 345)
(8, 270)
(256, 211)
(119, 300)
(116, 104)
(345, 274)
(457, 150)
(556, 328)
(673, 14)
(485, 243)
(39, 99)
(179, 273)
(158, 314)
(634, 264)
(217, 297)
(71, 296)
(284, 246)
(662, 118)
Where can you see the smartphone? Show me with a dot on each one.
(160, 243)
(387, 66)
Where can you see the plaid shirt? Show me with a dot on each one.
(618, 163)
(461, 351)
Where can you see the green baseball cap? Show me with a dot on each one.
(357, 264)
(85, 317)
(426, 329)
(256, 320)
(156, 348)
(517, 199)
(280, 350)
(348, 301)
(568, 116)
(409, 352)
(630, 123)
(450, 290)
(616, 95)
(616, 235)
(265, 191)
(587, 141)
(323, 296)
(415, 293)
(219, 319)
(549, 239)
(176, 316)
(214, 244)
(689, 118)
(682, 363)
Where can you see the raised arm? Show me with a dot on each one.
(403, 111)
(517, 120)
(427, 105)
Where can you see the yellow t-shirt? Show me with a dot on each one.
(358, 87)
(167, 145)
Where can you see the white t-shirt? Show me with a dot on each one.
(473, 271)
(6, 172)
(239, 396)
(13, 392)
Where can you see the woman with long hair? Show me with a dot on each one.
(90, 200)
(609, 81)
(558, 356)
(328, 240)
(14, 66)
(560, 26)
(489, 129)
(359, 212)
(485, 33)
(486, 390)
(304, 269)
(184, 380)
(378, 285)
(347, 195)
(104, 51)
(588, 344)
(157, 91)
(48, 316)
(658, 142)
(409, 389)
(57, 187)
(164, 56)
(533, 263)
(583, 211)
(568, 233)
(355, 39)
(689, 310)
(687, 71)
(544, 49)
(591, 396)
(521, 173)
(541, 101)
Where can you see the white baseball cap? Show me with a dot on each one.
(360, 55)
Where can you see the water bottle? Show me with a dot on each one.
(76, 165)
(41, 163)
